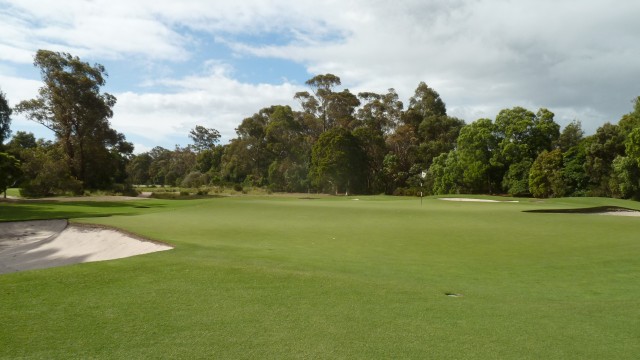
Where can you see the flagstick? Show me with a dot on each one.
(422, 175)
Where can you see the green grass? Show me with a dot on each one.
(282, 277)
(13, 192)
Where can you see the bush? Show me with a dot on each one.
(203, 191)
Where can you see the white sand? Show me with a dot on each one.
(477, 200)
(41, 244)
(621, 213)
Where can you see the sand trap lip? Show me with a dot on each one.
(595, 210)
(40, 244)
(478, 200)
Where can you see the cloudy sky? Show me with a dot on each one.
(176, 64)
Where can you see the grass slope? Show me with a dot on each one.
(283, 277)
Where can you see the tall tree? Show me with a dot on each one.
(477, 143)
(5, 118)
(286, 139)
(204, 138)
(329, 107)
(20, 142)
(248, 157)
(377, 118)
(571, 136)
(338, 162)
(71, 105)
(630, 121)
(522, 136)
(425, 102)
(601, 149)
(546, 177)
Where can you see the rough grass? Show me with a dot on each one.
(285, 277)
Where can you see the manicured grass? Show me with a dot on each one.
(13, 192)
(282, 277)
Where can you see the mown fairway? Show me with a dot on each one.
(284, 277)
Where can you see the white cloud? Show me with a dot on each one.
(575, 57)
(212, 100)
(578, 58)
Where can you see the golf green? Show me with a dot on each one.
(279, 277)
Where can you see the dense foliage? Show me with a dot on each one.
(343, 143)
(87, 153)
(337, 142)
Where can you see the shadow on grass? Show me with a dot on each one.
(41, 210)
(589, 210)
(174, 196)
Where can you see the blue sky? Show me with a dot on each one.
(176, 64)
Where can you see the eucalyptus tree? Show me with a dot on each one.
(338, 163)
(378, 117)
(72, 106)
(204, 138)
(5, 118)
(248, 156)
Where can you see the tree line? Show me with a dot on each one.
(336, 142)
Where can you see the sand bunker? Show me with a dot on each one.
(41, 244)
(477, 200)
(620, 213)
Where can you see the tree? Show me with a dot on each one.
(203, 138)
(571, 136)
(477, 143)
(630, 121)
(438, 135)
(9, 172)
(522, 136)
(632, 145)
(20, 142)
(575, 177)
(376, 119)
(159, 167)
(600, 151)
(138, 169)
(425, 102)
(446, 174)
(337, 162)
(71, 105)
(286, 139)
(381, 112)
(318, 104)
(249, 155)
(45, 172)
(5, 118)
(625, 178)
(546, 177)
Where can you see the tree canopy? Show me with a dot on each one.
(335, 142)
(72, 106)
(5, 118)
